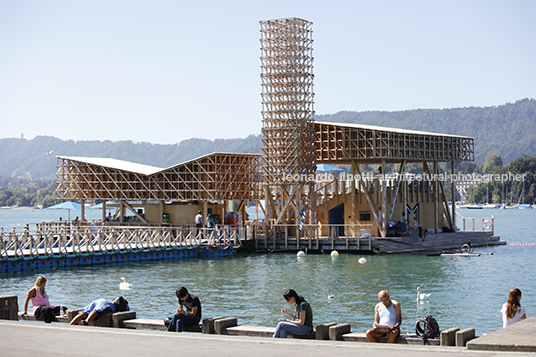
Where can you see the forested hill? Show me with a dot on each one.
(507, 130)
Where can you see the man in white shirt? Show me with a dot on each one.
(198, 222)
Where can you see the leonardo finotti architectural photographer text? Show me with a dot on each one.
(408, 177)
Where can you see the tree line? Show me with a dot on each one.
(21, 192)
(511, 191)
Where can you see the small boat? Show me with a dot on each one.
(523, 206)
(474, 206)
(490, 206)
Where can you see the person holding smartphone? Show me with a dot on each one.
(302, 320)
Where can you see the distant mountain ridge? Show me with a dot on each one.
(508, 130)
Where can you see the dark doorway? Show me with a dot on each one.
(336, 216)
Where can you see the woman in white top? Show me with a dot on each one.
(512, 311)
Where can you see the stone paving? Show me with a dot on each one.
(24, 338)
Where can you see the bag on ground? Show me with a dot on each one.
(430, 329)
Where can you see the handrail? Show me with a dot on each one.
(63, 240)
(487, 224)
(310, 233)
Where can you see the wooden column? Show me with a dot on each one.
(384, 201)
(104, 210)
(353, 188)
(436, 198)
(83, 209)
(405, 195)
(205, 212)
(453, 194)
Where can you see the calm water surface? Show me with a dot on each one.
(466, 292)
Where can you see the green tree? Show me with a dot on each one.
(491, 163)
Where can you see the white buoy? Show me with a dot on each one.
(334, 253)
(362, 260)
(123, 285)
(301, 253)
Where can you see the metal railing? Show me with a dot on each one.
(311, 235)
(476, 224)
(67, 239)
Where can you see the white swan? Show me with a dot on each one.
(422, 296)
(123, 285)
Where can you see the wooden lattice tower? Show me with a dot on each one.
(288, 116)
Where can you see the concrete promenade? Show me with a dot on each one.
(18, 338)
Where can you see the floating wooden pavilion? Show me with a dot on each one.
(282, 182)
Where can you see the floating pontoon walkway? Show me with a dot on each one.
(68, 245)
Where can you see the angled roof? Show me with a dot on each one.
(115, 164)
(216, 176)
(392, 130)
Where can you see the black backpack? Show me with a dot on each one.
(120, 304)
(430, 330)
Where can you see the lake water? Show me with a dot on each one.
(466, 292)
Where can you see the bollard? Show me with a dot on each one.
(335, 332)
(208, 324)
(9, 307)
(464, 335)
(448, 337)
(221, 324)
(322, 331)
(119, 317)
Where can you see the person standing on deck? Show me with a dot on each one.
(198, 222)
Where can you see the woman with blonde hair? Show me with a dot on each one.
(41, 306)
(512, 311)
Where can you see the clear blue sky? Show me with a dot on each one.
(165, 71)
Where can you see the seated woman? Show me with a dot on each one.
(94, 310)
(302, 320)
(42, 309)
(512, 311)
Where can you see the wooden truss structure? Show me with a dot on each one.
(212, 177)
(345, 143)
(357, 144)
(288, 114)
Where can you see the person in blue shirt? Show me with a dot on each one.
(94, 310)
(302, 320)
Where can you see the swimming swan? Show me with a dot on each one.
(422, 296)
(123, 285)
